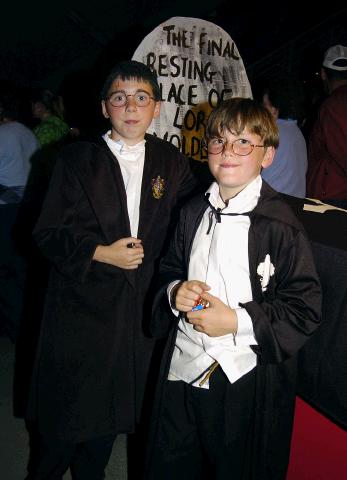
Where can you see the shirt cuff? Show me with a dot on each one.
(168, 291)
(245, 332)
(236, 366)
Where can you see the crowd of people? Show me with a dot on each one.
(170, 313)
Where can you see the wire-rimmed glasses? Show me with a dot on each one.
(120, 98)
(240, 146)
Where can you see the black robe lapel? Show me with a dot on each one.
(102, 179)
(149, 201)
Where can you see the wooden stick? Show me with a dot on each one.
(209, 373)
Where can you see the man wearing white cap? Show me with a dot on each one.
(327, 158)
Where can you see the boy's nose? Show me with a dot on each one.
(228, 149)
(130, 103)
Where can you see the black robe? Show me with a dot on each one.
(94, 355)
(284, 316)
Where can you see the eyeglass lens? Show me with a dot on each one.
(119, 99)
(240, 146)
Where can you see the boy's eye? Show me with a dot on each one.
(217, 141)
(242, 142)
(118, 97)
(142, 98)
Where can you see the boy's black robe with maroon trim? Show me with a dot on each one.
(284, 316)
(93, 355)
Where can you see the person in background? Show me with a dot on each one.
(48, 108)
(103, 227)
(52, 133)
(287, 174)
(17, 146)
(327, 155)
(239, 297)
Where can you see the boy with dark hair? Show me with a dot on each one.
(103, 226)
(240, 297)
(137, 70)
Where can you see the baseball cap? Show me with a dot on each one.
(336, 58)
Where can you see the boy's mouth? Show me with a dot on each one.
(131, 122)
(228, 165)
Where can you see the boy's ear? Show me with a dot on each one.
(156, 112)
(268, 157)
(104, 109)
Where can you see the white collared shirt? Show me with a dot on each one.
(221, 260)
(131, 160)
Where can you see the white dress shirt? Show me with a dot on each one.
(220, 259)
(131, 161)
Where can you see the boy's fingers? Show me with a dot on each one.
(194, 317)
(199, 287)
(209, 297)
(131, 242)
(203, 285)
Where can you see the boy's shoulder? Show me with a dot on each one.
(81, 145)
(272, 206)
(158, 143)
(83, 156)
(83, 149)
(194, 207)
(277, 207)
(96, 144)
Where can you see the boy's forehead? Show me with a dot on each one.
(132, 83)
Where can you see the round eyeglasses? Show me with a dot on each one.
(240, 146)
(119, 99)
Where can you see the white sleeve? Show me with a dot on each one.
(245, 332)
(168, 291)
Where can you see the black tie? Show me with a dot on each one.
(217, 213)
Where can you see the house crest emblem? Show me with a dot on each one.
(158, 187)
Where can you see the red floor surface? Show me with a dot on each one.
(319, 447)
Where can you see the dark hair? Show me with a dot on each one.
(289, 97)
(238, 113)
(52, 102)
(131, 69)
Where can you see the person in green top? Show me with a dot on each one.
(48, 108)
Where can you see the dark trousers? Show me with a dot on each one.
(86, 460)
(204, 433)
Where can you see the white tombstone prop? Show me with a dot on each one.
(198, 65)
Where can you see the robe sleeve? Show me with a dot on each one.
(187, 181)
(172, 267)
(62, 232)
(290, 311)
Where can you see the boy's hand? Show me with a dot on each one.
(216, 320)
(188, 293)
(125, 253)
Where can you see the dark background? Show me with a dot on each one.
(68, 46)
